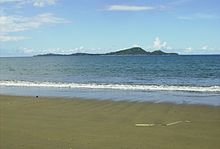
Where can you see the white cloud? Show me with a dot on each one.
(185, 18)
(206, 16)
(205, 47)
(178, 2)
(35, 3)
(136, 45)
(35, 51)
(7, 1)
(158, 44)
(188, 49)
(5, 38)
(42, 3)
(199, 16)
(54, 50)
(26, 50)
(20, 23)
(129, 8)
(162, 7)
(11, 24)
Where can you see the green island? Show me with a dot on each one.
(130, 51)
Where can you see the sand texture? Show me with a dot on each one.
(59, 123)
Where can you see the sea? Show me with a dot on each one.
(183, 79)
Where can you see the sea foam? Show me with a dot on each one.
(211, 89)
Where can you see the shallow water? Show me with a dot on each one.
(191, 79)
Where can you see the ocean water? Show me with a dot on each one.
(179, 79)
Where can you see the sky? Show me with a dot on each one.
(30, 27)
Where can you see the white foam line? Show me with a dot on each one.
(112, 86)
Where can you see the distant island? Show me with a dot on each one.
(131, 51)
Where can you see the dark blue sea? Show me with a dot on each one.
(179, 79)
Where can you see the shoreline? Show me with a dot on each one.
(110, 100)
(56, 122)
(175, 97)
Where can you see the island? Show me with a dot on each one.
(138, 51)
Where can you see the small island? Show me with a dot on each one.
(138, 51)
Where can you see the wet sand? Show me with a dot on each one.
(62, 123)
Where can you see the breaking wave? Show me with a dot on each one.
(211, 89)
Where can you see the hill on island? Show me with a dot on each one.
(130, 51)
(139, 51)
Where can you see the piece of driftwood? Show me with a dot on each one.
(151, 124)
(144, 125)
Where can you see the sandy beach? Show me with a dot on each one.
(62, 123)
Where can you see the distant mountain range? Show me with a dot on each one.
(130, 51)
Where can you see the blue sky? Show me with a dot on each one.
(29, 27)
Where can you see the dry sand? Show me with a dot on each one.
(59, 123)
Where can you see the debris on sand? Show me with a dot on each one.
(144, 125)
(169, 124)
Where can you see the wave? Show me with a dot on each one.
(211, 89)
